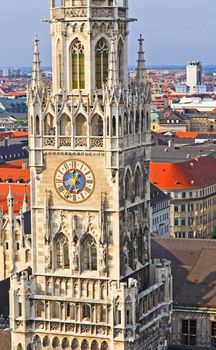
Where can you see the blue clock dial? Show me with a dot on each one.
(74, 181)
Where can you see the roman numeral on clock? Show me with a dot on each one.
(61, 189)
(88, 190)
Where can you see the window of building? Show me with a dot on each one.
(89, 250)
(78, 65)
(183, 222)
(183, 194)
(102, 62)
(19, 309)
(62, 251)
(176, 221)
(189, 332)
(183, 207)
(176, 208)
(86, 312)
(213, 334)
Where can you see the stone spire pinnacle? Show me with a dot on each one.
(113, 64)
(25, 205)
(141, 69)
(10, 203)
(36, 73)
(10, 196)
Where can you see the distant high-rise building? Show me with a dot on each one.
(194, 75)
(5, 72)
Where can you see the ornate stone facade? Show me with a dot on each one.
(93, 285)
(15, 238)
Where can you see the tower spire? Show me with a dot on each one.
(36, 73)
(141, 69)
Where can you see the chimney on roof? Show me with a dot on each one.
(6, 141)
(24, 165)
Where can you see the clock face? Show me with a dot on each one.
(74, 181)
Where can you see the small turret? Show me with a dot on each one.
(141, 69)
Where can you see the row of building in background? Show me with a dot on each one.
(191, 120)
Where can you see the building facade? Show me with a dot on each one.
(92, 284)
(192, 188)
(159, 213)
(194, 75)
(193, 270)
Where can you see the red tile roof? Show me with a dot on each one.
(13, 134)
(196, 173)
(193, 135)
(17, 164)
(14, 174)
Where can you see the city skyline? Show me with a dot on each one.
(167, 39)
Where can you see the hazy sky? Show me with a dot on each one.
(175, 31)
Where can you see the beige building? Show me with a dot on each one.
(202, 122)
(192, 187)
(92, 285)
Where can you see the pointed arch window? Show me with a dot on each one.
(89, 254)
(78, 65)
(138, 183)
(62, 252)
(101, 62)
(121, 60)
(128, 186)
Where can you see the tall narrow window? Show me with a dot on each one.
(189, 332)
(62, 251)
(102, 62)
(213, 334)
(78, 65)
(89, 254)
(121, 60)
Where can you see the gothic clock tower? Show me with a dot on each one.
(89, 146)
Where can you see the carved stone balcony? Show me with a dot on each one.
(49, 141)
(64, 141)
(96, 142)
(80, 141)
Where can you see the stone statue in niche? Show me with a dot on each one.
(75, 256)
(135, 247)
(126, 253)
(102, 256)
(48, 256)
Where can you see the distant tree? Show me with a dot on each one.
(214, 233)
